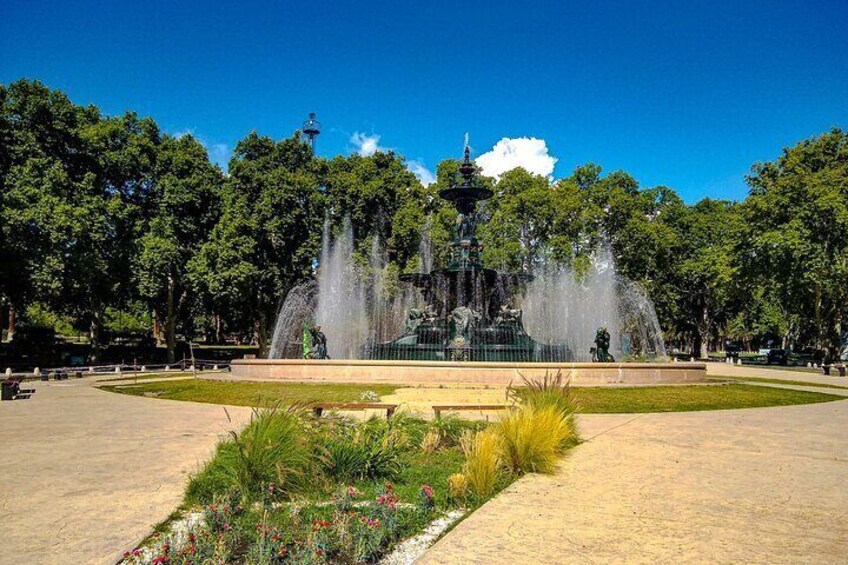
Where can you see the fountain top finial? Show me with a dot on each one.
(464, 194)
(467, 169)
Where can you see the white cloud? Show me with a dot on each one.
(425, 175)
(509, 153)
(365, 144)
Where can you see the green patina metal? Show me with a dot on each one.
(468, 315)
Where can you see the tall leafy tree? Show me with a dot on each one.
(796, 235)
(274, 200)
(184, 204)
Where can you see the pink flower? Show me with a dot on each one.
(427, 490)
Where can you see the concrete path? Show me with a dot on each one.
(767, 485)
(85, 473)
(762, 372)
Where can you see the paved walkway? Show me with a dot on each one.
(742, 371)
(767, 485)
(85, 473)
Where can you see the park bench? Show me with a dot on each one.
(318, 409)
(472, 407)
(11, 389)
(841, 368)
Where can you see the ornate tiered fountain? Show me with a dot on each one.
(469, 313)
(464, 323)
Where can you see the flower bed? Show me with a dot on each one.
(293, 489)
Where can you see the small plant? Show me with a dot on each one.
(223, 512)
(369, 396)
(268, 547)
(373, 449)
(344, 498)
(430, 443)
(426, 502)
(450, 429)
(482, 460)
(533, 438)
(458, 487)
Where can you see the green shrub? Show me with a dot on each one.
(269, 456)
(343, 460)
(450, 428)
(373, 449)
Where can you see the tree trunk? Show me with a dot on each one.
(95, 331)
(820, 334)
(219, 329)
(171, 322)
(704, 332)
(10, 331)
(158, 334)
(261, 327)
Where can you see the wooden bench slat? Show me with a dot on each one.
(318, 409)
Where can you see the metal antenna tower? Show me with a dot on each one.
(312, 129)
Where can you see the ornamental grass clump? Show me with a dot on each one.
(533, 438)
(272, 449)
(373, 449)
(268, 458)
(482, 460)
(552, 391)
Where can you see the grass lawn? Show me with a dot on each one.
(606, 400)
(249, 394)
(592, 400)
(130, 377)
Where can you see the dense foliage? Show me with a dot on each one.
(105, 216)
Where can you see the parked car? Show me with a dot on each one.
(778, 356)
(732, 350)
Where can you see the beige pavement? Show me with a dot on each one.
(766, 485)
(85, 473)
(772, 372)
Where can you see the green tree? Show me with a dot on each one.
(183, 202)
(274, 203)
(796, 235)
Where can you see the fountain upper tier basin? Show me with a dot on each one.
(435, 373)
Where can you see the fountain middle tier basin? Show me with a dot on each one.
(435, 373)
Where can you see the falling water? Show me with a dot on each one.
(340, 310)
(562, 307)
(296, 314)
(361, 303)
(425, 247)
(354, 305)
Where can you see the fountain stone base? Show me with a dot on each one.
(436, 373)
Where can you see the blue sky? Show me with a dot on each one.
(685, 94)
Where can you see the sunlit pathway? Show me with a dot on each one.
(764, 485)
(85, 473)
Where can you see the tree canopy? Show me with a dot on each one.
(104, 214)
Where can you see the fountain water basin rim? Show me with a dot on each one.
(436, 373)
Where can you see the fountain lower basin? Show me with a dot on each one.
(436, 373)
